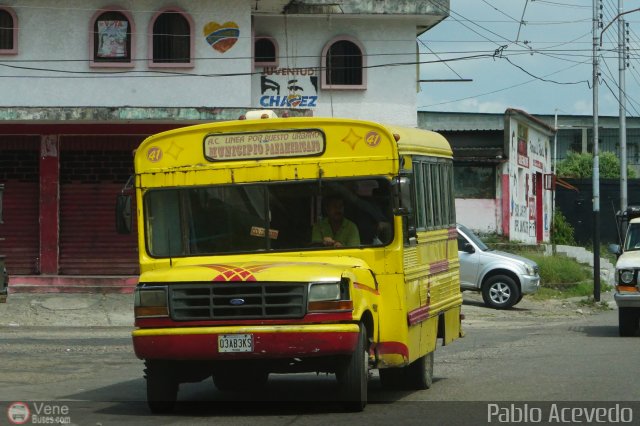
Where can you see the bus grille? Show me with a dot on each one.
(190, 302)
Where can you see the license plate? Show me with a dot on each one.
(235, 343)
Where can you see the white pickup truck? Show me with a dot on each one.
(627, 295)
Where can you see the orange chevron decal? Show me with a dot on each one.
(234, 273)
(366, 288)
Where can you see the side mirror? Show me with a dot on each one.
(468, 248)
(401, 186)
(123, 214)
(412, 236)
(615, 249)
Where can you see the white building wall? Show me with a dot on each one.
(479, 214)
(390, 96)
(59, 33)
(527, 158)
(55, 38)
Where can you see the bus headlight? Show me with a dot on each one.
(333, 296)
(324, 291)
(150, 302)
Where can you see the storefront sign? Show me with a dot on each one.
(523, 148)
(523, 159)
(250, 146)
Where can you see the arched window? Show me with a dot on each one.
(344, 64)
(172, 39)
(265, 52)
(8, 32)
(113, 39)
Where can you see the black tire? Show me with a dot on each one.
(419, 374)
(416, 376)
(628, 319)
(234, 380)
(500, 292)
(162, 388)
(354, 375)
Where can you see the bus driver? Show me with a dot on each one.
(335, 230)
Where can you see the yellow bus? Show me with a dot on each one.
(284, 245)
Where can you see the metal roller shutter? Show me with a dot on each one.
(19, 227)
(93, 170)
(89, 244)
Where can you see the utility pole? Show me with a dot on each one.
(596, 165)
(554, 176)
(622, 96)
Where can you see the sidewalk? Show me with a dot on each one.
(72, 310)
(116, 310)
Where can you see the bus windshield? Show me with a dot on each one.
(278, 216)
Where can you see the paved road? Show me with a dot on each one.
(558, 351)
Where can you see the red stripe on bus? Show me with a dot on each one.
(418, 315)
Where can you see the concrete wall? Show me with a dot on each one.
(480, 215)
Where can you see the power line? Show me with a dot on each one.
(454, 71)
(497, 90)
(499, 11)
(159, 73)
(566, 5)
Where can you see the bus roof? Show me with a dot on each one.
(422, 141)
(306, 140)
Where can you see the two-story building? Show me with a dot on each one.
(82, 83)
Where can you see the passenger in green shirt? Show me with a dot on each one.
(335, 230)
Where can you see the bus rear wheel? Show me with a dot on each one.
(416, 376)
(420, 372)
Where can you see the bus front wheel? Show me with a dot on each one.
(354, 375)
(162, 388)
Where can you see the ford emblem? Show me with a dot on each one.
(236, 302)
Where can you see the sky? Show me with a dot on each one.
(534, 55)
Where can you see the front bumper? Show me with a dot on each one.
(627, 299)
(529, 283)
(270, 341)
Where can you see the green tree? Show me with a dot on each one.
(580, 166)
(562, 231)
